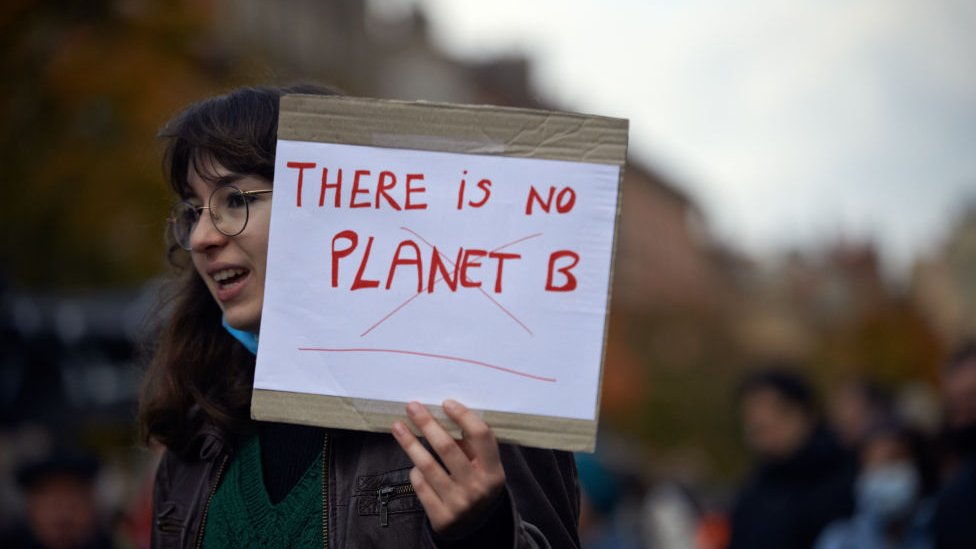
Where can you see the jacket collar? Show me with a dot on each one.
(209, 441)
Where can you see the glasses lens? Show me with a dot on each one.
(228, 209)
(183, 218)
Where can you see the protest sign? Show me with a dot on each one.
(425, 251)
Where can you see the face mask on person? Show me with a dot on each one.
(889, 491)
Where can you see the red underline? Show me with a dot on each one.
(432, 355)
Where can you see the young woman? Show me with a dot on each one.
(228, 481)
(894, 490)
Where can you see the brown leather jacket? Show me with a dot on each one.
(369, 501)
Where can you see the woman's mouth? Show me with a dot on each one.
(228, 277)
(229, 282)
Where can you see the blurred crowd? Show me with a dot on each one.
(861, 468)
(856, 468)
(57, 494)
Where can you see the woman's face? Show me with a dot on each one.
(233, 267)
(775, 427)
(884, 450)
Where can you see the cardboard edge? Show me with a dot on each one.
(446, 127)
(297, 98)
(378, 417)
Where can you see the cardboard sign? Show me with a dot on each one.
(426, 251)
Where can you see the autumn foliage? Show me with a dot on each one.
(86, 87)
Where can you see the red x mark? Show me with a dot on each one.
(440, 356)
(480, 289)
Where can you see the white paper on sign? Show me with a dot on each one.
(512, 318)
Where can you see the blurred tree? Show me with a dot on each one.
(86, 86)
(891, 345)
(680, 397)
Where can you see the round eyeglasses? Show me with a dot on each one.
(229, 209)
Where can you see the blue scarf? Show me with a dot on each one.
(248, 339)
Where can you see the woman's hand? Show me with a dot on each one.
(457, 497)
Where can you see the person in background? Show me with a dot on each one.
(671, 516)
(61, 513)
(600, 495)
(955, 514)
(802, 480)
(893, 492)
(854, 407)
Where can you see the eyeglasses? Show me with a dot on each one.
(229, 210)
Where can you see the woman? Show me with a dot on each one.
(802, 480)
(228, 481)
(894, 489)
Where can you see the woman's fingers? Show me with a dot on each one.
(478, 435)
(433, 505)
(457, 462)
(432, 472)
(468, 449)
(457, 497)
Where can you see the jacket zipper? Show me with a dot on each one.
(385, 494)
(206, 508)
(325, 492)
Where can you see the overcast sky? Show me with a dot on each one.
(789, 122)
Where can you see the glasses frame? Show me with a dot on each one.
(199, 211)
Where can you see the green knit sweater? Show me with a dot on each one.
(241, 513)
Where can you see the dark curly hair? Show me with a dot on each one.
(197, 372)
